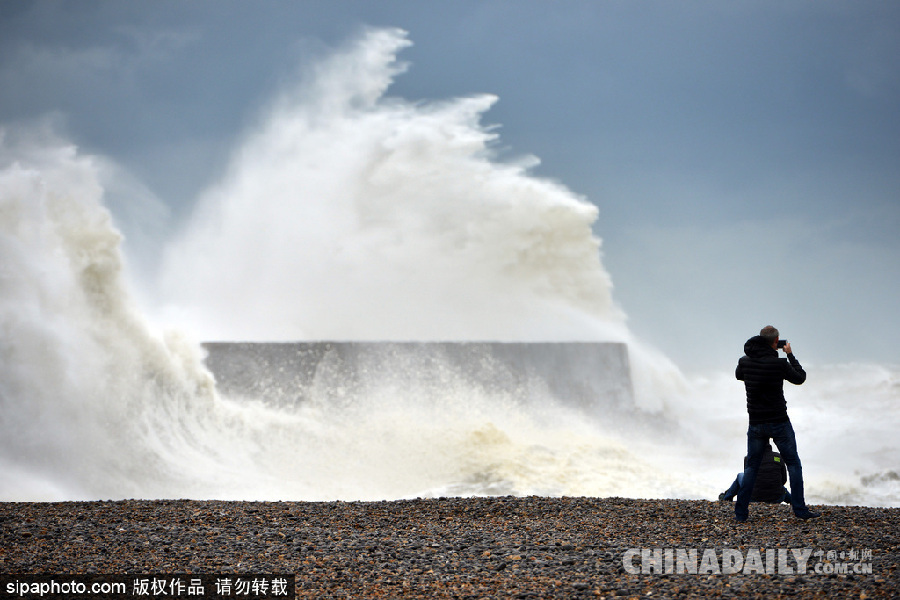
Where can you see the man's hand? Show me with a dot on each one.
(787, 348)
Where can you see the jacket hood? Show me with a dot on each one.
(757, 346)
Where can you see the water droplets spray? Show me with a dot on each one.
(347, 215)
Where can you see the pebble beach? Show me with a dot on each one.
(485, 547)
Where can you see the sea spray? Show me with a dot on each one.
(350, 215)
(81, 376)
(384, 218)
(96, 404)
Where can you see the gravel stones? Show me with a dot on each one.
(498, 547)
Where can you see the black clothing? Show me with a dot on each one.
(770, 478)
(763, 374)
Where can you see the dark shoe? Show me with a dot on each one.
(808, 514)
(740, 519)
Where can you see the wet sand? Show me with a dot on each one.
(533, 547)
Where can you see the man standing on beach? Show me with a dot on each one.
(763, 374)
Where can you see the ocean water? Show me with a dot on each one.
(346, 214)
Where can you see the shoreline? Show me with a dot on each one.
(472, 547)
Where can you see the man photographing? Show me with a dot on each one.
(764, 374)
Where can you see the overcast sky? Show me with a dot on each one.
(745, 156)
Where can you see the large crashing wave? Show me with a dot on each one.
(81, 374)
(349, 215)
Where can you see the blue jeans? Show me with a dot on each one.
(757, 437)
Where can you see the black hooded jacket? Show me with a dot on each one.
(763, 374)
